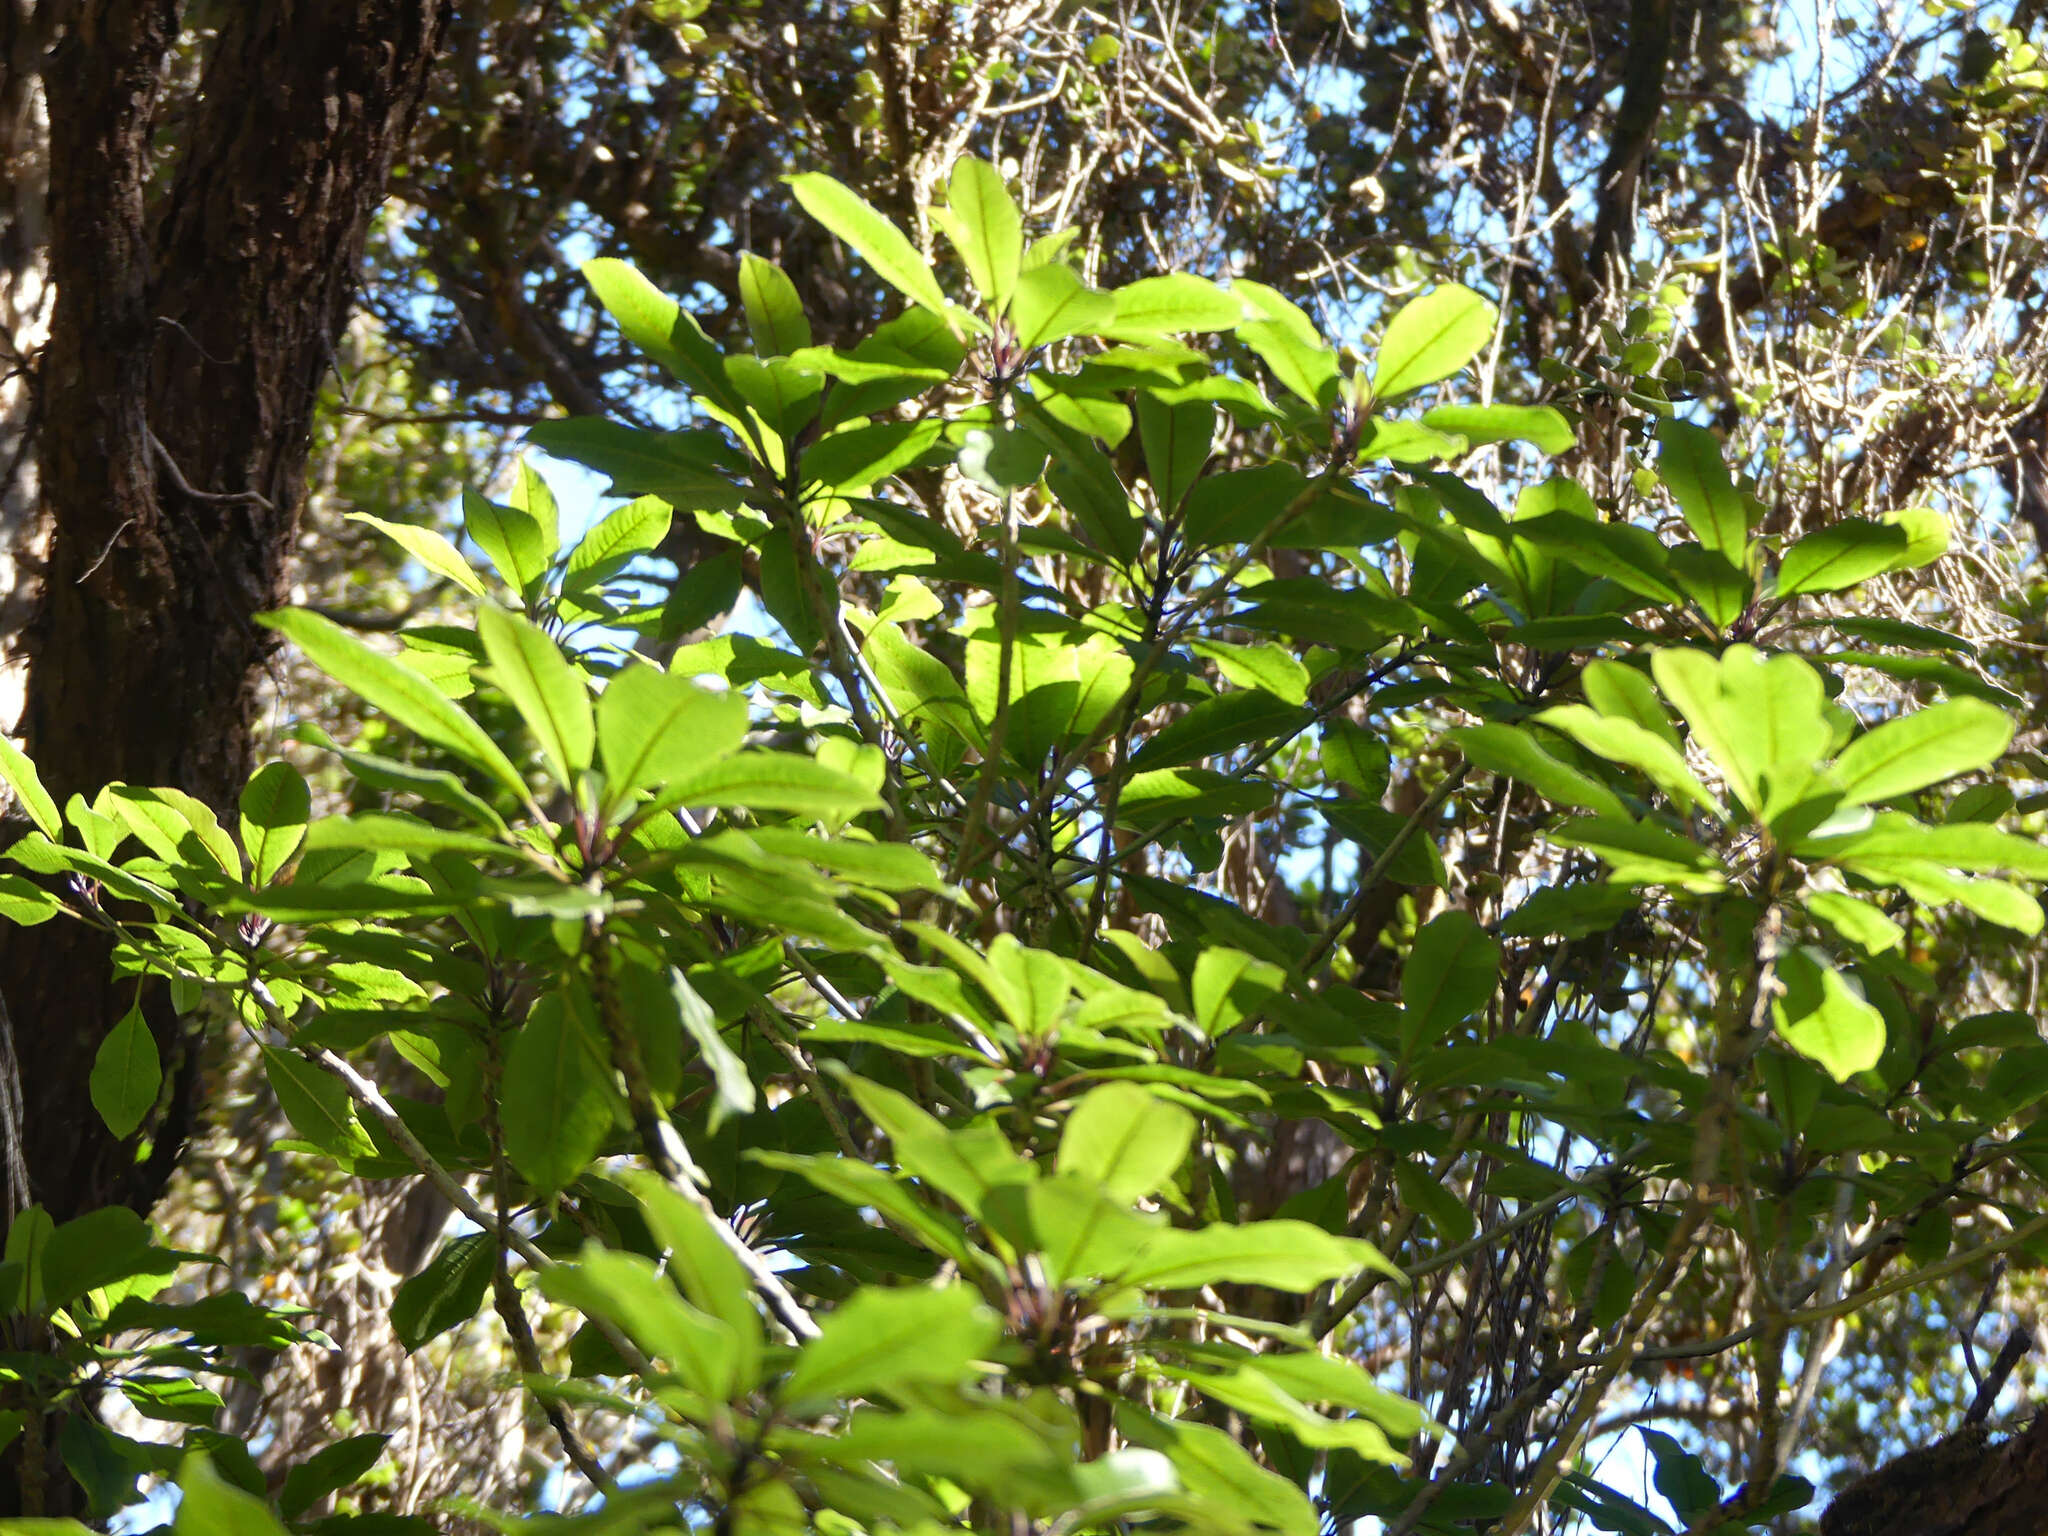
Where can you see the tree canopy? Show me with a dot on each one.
(1291, 779)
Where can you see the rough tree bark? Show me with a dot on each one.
(197, 299)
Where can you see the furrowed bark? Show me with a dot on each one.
(196, 310)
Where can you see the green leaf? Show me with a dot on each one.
(1303, 365)
(1542, 425)
(1690, 465)
(275, 806)
(547, 690)
(1271, 667)
(98, 1249)
(881, 1342)
(1085, 481)
(889, 255)
(735, 1090)
(1125, 1138)
(428, 547)
(396, 689)
(1060, 691)
(772, 781)
(1856, 920)
(316, 1104)
(708, 1271)
(658, 327)
(1052, 302)
(1651, 753)
(328, 1470)
(1431, 338)
(1176, 439)
(513, 540)
(446, 1293)
(1513, 752)
(1927, 535)
(1821, 1015)
(1218, 726)
(1286, 1255)
(1355, 756)
(1623, 692)
(1172, 303)
(1926, 747)
(861, 456)
(626, 1289)
(1841, 555)
(557, 1095)
(1408, 442)
(1630, 557)
(654, 728)
(27, 784)
(775, 315)
(1448, 977)
(986, 229)
(1762, 718)
(209, 1506)
(126, 1075)
(620, 536)
(1720, 591)
(1642, 853)
(691, 470)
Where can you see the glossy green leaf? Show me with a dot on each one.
(447, 1292)
(1052, 303)
(547, 690)
(430, 548)
(316, 1103)
(210, 1506)
(1176, 439)
(771, 781)
(1127, 1139)
(708, 1271)
(654, 728)
(734, 1089)
(775, 315)
(557, 1093)
(628, 1291)
(889, 255)
(126, 1075)
(1512, 751)
(880, 1342)
(100, 1248)
(1824, 1017)
(1841, 555)
(329, 1470)
(1430, 338)
(1623, 740)
(1449, 976)
(1762, 718)
(1218, 726)
(1689, 463)
(394, 688)
(987, 229)
(1541, 425)
(515, 541)
(1306, 367)
(275, 806)
(27, 784)
(1355, 756)
(1173, 303)
(1286, 1255)
(1925, 747)
(658, 327)
(692, 469)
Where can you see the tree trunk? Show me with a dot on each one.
(197, 304)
